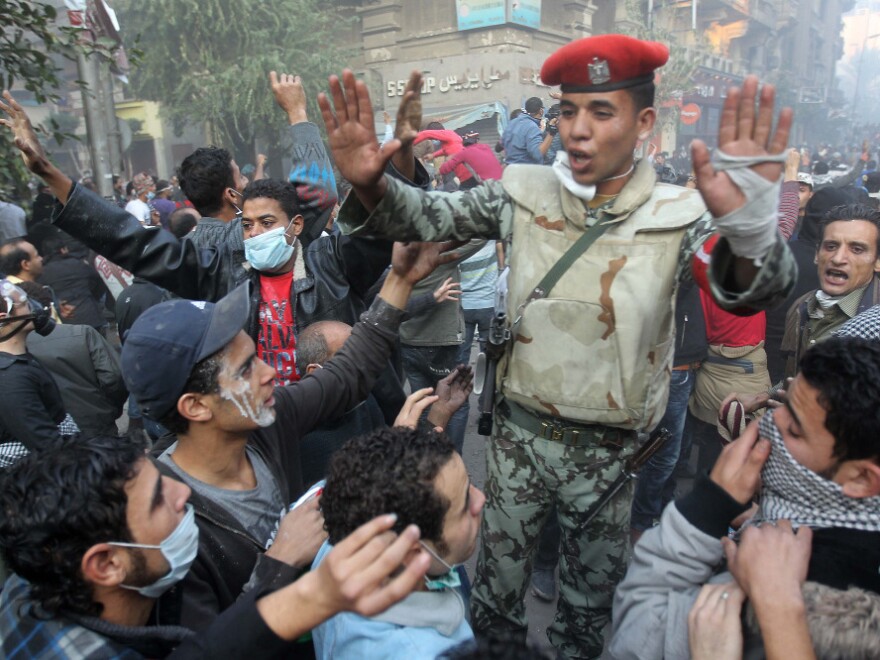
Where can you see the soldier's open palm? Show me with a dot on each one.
(742, 132)
(351, 132)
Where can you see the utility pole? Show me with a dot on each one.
(111, 123)
(97, 137)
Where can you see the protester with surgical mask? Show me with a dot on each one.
(418, 474)
(32, 415)
(144, 191)
(293, 284)
(94, 534)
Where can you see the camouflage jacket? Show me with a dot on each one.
(656, 235)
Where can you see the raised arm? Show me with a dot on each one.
(788, 198)
(347, 378)
(155, 255)
(310, 171)
(855, 171)
(31, 150)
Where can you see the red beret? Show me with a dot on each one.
(604, 63)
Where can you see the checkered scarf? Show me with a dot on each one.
(793, 492)
(12, 452)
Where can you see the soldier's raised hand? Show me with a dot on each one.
(351, 134)
(742, 132)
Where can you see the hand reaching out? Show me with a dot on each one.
(409, 112)
(452, 392)
(414, 406)
(449, 290)
(415, 261)
(351, 135)
(714, 626)
(792, 165)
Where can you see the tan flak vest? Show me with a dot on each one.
(599, 348)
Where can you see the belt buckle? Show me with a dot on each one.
(552, 431)
(555, 432)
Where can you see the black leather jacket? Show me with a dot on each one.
(340, 269)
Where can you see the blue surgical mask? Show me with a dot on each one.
(268, 250)
(150, 196)
(179, 549)
(449, 580)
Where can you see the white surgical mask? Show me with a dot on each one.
(269, 250)
(179, 549)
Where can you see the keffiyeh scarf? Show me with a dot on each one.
(793, 492)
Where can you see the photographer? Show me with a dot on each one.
(552, 117)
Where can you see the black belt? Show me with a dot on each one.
(565, 431)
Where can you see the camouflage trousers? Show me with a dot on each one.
(526, 475)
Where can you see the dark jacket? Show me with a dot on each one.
(336, 264)
(691, 344)
(30, 403)
(134, 300)
(228, 554)
(803, 249)
(796, 339)
(89, 375)
(77, 284)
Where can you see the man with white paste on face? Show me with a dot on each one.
(235, 437)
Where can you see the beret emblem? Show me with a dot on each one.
(598, 72)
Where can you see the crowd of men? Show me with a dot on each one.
(277, 492)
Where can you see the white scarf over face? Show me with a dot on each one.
(562, 169)
(793, 492)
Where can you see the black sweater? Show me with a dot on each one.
(228, 555)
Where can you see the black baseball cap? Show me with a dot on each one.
(168, 340)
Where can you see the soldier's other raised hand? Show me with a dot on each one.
(742, 132)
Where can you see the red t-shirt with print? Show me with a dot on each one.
(276, 344)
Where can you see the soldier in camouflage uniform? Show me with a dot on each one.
(590, 361)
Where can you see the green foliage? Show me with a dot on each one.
(676, 75)
(32, 36)
(63, 123)
(29, 38)
(208, 60)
